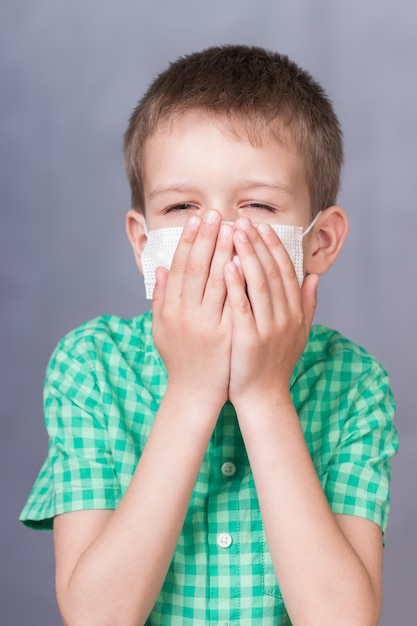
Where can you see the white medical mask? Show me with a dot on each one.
(162, 243)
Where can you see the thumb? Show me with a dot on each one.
(309, 297)
(161, 276)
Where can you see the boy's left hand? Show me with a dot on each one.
(271, 316)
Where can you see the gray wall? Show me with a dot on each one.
(70, 74)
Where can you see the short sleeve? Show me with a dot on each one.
(357, 481)
(78, 472)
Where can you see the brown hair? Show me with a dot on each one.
(265, 90)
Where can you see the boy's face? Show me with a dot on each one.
(197, 164)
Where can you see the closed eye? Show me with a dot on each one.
(260, 206)
(182, 207)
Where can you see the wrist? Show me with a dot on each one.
(263, 423)
(193, 402)
(253, 402)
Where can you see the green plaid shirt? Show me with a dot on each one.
(103, 387)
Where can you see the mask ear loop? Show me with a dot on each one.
(311, 226)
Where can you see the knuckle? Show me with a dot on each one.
(178, 266)
(262, 286)
(216, 282)
(272, 270)
(194, 268)
(243, 306)
(299, 318)
(288, 269)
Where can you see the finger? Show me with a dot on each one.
(161, 276)
(176, 274)
(238, 264)
(287, 288)
(258, 267)
(280, 255)
(215, 290)
(309, 298)
(238, 301)
(199, 259)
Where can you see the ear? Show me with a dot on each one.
(324, 242)
(135, 230)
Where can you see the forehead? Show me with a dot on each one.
(197, 140)
(251, 127)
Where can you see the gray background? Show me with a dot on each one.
(70, 74)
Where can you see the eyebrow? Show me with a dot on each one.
(244, 185)
(179, 188)
(247, 184)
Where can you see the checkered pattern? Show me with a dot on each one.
(104, 384)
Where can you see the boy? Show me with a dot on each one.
(222, 461)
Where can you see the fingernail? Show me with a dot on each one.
(264, 228)
(226, 231)
(243, 222)
(211, 217)
(193, 222)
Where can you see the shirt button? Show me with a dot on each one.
(228, 469)
(224, 540)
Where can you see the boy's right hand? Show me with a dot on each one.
(191, 320)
